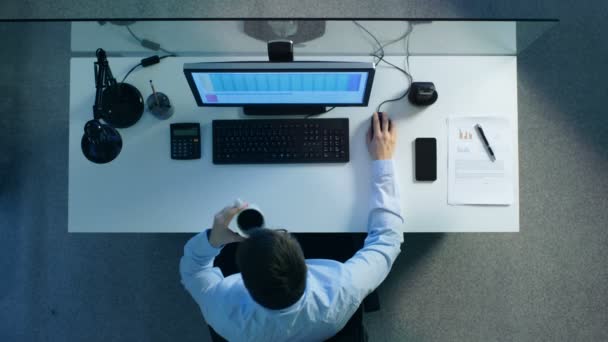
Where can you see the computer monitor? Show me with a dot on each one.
(281, 88)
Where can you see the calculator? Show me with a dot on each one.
(185, 141)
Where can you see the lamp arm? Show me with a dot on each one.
(103, 79)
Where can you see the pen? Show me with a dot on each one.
(486, 144)
(154, 92)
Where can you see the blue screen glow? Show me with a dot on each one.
(281, 87)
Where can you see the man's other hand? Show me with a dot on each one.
(381, 144)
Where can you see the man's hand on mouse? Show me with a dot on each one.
(381, 144)
(220, 233)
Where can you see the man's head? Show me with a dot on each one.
(273, 268)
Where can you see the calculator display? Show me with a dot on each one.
(185, 132)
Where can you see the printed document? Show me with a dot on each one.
(472, 177)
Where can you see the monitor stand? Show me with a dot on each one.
(284, 110)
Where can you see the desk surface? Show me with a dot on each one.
(143, 190)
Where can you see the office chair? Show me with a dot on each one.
(354, 331)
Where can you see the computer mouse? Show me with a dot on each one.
(380, 120)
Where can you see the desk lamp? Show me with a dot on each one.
(118, 104)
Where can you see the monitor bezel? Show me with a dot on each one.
(301, 66)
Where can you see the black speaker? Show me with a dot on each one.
(422, 93)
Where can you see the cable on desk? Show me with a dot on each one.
(380, 58)
(407, 90)
(146, 62)
(380, 46)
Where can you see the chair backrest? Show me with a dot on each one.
(353, 331)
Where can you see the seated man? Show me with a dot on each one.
(280, 296)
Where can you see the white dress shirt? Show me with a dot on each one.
(334, 290)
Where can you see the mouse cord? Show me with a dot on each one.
(380, 58)
(407, 90)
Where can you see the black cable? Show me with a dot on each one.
(311, 115)
(142, 64)
(391, 42)
(407, 90)
(406, 42)
(128, 73)
(405, 37)
(380, 47)
(380, 58)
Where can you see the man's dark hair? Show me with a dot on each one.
(273, 268)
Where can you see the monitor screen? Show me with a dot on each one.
(293, 83)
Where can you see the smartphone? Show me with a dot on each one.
(426, 159)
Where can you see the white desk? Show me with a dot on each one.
(143, 190)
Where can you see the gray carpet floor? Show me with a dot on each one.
(546, 283)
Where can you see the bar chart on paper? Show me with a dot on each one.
(465, 134)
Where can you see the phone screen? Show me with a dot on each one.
(426, 159)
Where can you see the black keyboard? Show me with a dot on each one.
(256, 141)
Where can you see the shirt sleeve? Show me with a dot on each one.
(368, 268)
(198, 275)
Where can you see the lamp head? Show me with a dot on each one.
(100, 143)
